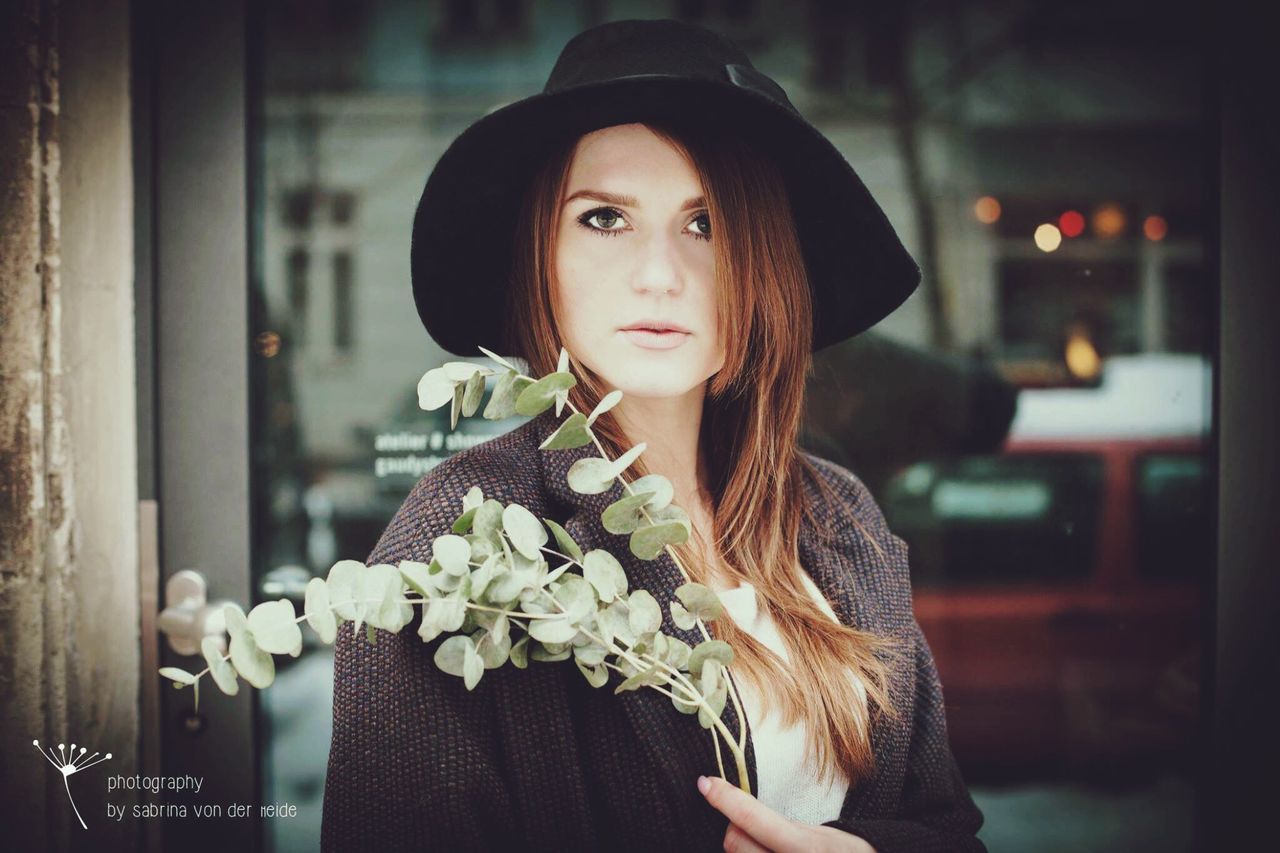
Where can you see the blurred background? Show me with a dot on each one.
(1034, 420)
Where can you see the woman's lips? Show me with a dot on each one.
(650, 339)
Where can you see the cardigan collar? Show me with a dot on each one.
(827, 561)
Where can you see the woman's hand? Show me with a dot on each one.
(754, 827)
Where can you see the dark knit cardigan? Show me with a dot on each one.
(537, 759)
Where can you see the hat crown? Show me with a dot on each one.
(643, 47)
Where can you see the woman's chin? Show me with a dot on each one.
(652, 381)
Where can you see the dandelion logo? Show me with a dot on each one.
(69, 763)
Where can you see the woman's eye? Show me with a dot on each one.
(703, 221)
(607, 217)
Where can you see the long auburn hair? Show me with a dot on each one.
(837, 680)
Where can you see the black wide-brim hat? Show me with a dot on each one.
(624, 72)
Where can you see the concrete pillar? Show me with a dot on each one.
(69, 650)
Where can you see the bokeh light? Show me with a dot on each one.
(987, 209)
(1155, 228)
(1108, 221)
(1081, 355)
(267, 344)
(1048, 237)
(1071, 223)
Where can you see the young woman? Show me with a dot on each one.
(664, 213)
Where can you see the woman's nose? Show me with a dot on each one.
(661, 268)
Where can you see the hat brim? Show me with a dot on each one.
(460, 258)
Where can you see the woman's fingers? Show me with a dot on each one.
(737, 841)
(762, 825)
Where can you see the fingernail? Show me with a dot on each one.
(704, 784)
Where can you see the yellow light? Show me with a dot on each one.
(1081, 356)
(1155, 228)
(1048, 237)
(1108, 221)
(987, 209)
(267, 344)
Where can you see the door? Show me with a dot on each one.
(285, 156)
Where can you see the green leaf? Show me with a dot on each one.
(552, 630)
(623, 515)
(496, 357)
(562, 363)
(472, 666)
(460, 371)
(179, 676)
(389, 612)
(520, 653)
(234, 618)
(525, 531)
(717, 650)
(493, 651)
(673, 513)
(577, 597)
(659, 485)
(435, 388)
(597, 675)
(607, 402)
(715, 699)
(319, 615)
(564, 540)
(274, 627)
(451, 655)
(647, 542)
(539, 653)
(502, 402)
(684, 620)
(453, 553)
(418, 577)
(603, 571)
(488, 520)
(571, 433)
(702, 602)
(224, 674)
(254, 665)
(646, 615)
(537, 398)
(591, 654)
(473, 394)
(591, 475)
(346, 590)
(459, 391)
(652, 674)
(624, 461)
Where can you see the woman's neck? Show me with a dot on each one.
(669, 427)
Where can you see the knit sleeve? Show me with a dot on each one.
(414, 762)
(936, 811)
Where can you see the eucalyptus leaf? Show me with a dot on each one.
(591, 475)
(624, 461)
(502, 402)
(607, 402)
(451, 654)
(274, 627)
(473, 498)
(541, 654)
(577, 597)
(389, 612)
(564, 540)
(496, 357)
(603, 571)
(524, 530)
(435, 388)
(571, 433)
(646, 615)
(453, 553)
(319, 614)
(455, 409)
(472, 666)
(597, 675)
(493, 651)
(702, 602)
(624, 515)
(252, 663)
(179, 676)
(661, 488)
(520, 653)
(717, 650)
(683, 619)
(650, 675)
(473, 394)
(536, 398)
(488, 520)
(224, 674)
(552, 630)
(417, 576)
(647, 542)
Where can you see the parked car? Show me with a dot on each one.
(1059, 581)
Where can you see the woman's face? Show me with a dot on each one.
(634, 252)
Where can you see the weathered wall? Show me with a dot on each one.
(68, 481)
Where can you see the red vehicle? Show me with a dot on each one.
(1059, 582)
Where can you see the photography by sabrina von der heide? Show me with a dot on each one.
(185, 783)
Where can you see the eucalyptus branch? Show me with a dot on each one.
(489, 587)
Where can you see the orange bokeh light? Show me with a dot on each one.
(987, 209)
(1155, 228)
(1108, 220)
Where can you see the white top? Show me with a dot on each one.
(787, 775)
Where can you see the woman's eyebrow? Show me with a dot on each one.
(627, 200)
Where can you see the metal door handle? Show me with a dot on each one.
(188, 616)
